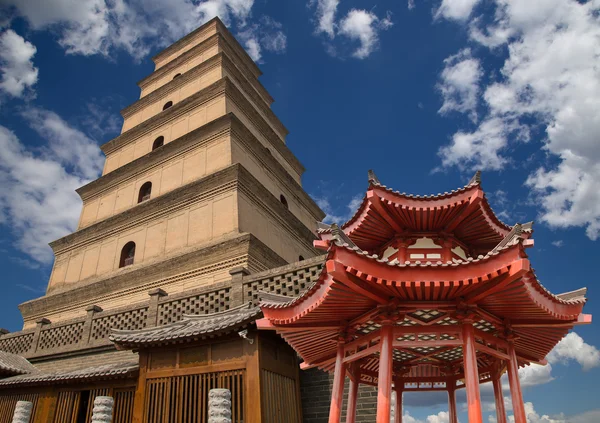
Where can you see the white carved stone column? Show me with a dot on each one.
(219, 406)
(22, 412)
(103, 409)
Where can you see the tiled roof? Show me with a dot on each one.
(109, 371)
(188, 328)
(13, 364)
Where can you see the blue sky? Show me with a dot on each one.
(424, 92)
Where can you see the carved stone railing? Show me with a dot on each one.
(92, 331)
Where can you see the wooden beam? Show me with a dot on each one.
(266, 324)
(363, 353)
(517, 270)
(339, 273)
(494, 353)
(377, 205)
(582, 319)
(474, 202)
(438, 343)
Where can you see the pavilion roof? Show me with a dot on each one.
(385, 214)
(355, 286)
(189, 328)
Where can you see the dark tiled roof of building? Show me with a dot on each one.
(13, 364)
(189, 328)
(109, 371)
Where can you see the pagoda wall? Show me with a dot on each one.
(202, 107)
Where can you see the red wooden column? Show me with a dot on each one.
(452, 402)
(500, 410)
(384, 384)
(398, 412)
(471, 373)
(353, 394)
(337, 392)
(515, 385)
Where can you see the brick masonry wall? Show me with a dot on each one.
(315, 389)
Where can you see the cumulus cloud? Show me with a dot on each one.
(363, 26)
(459, 84)
(38, 199)
(441, 417)
(16, 65)
(266, 35)
(335, 214)
(549, 80)
(357, 25)
(573, 348)
(456, 9)
(325, 15)
(90, 27)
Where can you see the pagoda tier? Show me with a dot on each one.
(463, 217)
(424, 325)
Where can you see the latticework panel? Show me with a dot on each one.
(484, 326)
(16, 344)
(60, 336)
(289, 284)
(129, 320)
(450, 355)
(207, 303)
(368, 327)
(426, 316)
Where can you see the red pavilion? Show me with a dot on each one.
(424, 293)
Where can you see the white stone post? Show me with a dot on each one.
(103, 408)
(219, 406)
(22, 412)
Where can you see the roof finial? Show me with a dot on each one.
(340, 236)
(476, 179)
(373, 178)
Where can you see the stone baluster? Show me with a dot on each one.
(87, 326)
(155, 295)
(39, 324)
(219, 406)
(236, 295)
(103, 409)
(22, 412)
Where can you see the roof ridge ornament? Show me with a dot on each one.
(476, 179)
(340, 236)
(373, 179)
(515, 235)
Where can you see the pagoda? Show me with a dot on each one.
(424, 293)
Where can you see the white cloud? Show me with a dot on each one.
(267, 34)
(573, 347)
(550, 79)
(459, 84)
(456, 9)
(441, 417)
(363, 26)
(325, 15)
(534, 375)
(411, 4)
(16, 65)
(38, 199)
(333, 215)
(357, 25)
(90, 27)
(558, 243)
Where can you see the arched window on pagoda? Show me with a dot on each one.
(127, 254)
(300, 258)
(145, 192)
(167, 105)
(177, 75)
(159, 142)
(283, 201)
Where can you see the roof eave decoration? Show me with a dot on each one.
(377, 280)
(385, 213)
(189, 328)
